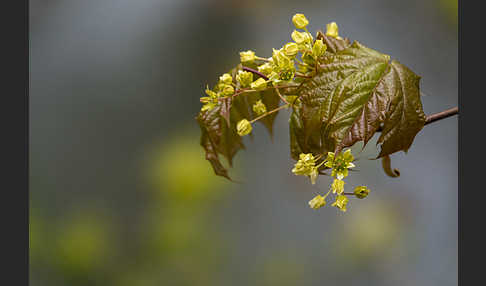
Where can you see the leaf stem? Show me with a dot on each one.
(281, 97)
(262, 59)
(269, 112)
(302, 75)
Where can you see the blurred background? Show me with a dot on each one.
(120, 192)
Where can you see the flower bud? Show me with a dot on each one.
(265, 69)
(208, 106)
(318, 49)
(299, 37)
(274, 77)
(341, 202)
(226, 78)
(281, 61)
(308, 37)
(248, 56)
(243, 127)
(317, 202)
(259, 107)
(361, 192)
(259, 84)
(300, 21)
(227, 90)
(313, 175)
(337, 186)
(332, 30)
(291, 49)
(211, 93)
(305, 164)
(244, 78)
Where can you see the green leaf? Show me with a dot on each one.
(218, 125)
(355, 91)
(218, 138)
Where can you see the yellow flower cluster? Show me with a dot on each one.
(279, 68)
(306, 165)
(224, 87)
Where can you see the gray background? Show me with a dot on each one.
(113, 80)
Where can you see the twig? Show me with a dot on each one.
(441, 115)
(255, 72)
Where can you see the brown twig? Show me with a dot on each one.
(255, 72)
(441, 115)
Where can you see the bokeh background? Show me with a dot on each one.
(120, 192)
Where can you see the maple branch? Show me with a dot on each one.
(441, 115)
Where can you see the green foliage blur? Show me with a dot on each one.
(175, 235)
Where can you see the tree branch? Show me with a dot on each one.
(441, 115)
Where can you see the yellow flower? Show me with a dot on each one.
(259, 108)
(281, 60)
(244, 78)
(208, 106)
(337, 186)
(340, 164)
(259, 84)
(300, 21)
(210, 101)
(341, 202)
(291, 49)
(332, 30)
(304, 165)
(226, 78)
(265, 69)
(361, 192)
(317, 202)
(248, 56)
(227, 90)
(299, 37)
(243, 127)
(308, 38)
(211, 93)
(318, 49)
(313, 175)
